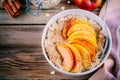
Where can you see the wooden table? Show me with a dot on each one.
(21, 56)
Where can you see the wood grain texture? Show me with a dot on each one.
(21, 56)
(21, 35)
(28, 65)
(42, 19)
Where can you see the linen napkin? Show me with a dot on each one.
(111, 67)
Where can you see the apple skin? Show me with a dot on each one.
(67, 56)
(88, 4)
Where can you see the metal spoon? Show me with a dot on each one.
(107, 40)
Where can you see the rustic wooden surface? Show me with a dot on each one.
(21, 56)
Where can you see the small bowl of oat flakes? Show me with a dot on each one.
(76, 42)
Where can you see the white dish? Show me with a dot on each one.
(90, 15)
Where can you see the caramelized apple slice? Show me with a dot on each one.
(82, 33)
(80, 27)
(78, 21)
(90, 48)
(78, 61)
(86, 60)
(65, 30)
(67, 26)
(90, 40)
(67, 56)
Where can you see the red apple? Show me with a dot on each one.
(88, 4)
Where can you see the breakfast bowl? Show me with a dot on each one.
(76, 42)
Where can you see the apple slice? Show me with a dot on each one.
(85, 55)
(65, 30)
(67, 26)
(80, 27)
(78, 21)
(82, 33)
(70, 24)
(78, 61)
(90, 48)
(90, 40)
(67, 56)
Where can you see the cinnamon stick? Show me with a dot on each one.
(17, 14)
(18, 4)
(12, 5)
(8, 8)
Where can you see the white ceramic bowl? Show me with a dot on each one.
(90, 15)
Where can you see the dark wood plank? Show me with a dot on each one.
(21, 54)
(21, 36)
(24, 18)
(16, 64)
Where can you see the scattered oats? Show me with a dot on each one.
(62, 8)
(68, 2)
(52, 72)
(47, 14)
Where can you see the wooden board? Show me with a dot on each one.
(21, 56)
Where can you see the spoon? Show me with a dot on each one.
(104, 18)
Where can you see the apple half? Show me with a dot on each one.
(88, 4)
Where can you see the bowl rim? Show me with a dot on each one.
(68, 12)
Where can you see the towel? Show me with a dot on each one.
(110, 69)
